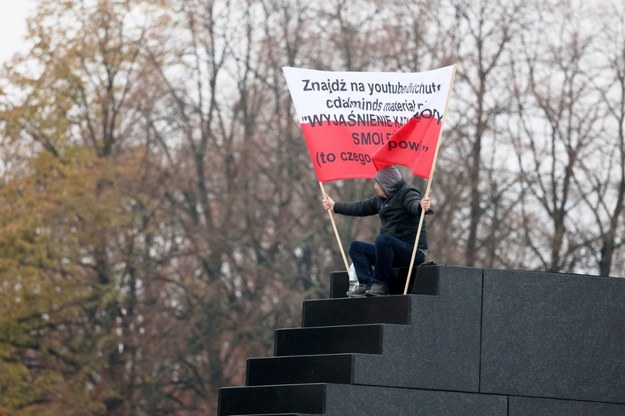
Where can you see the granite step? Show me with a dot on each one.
(365, 339)
(301, 369)
(393, 309)
(306, 399)
(352, 400)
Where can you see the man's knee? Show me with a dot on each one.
(354, 247)
(382, 240)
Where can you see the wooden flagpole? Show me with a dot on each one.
(429, 185)
(336, 231)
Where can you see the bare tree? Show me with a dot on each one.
(559, 117)
(486, 30)
(602, 178)
(178, 186)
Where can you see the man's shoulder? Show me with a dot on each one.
(408, 189)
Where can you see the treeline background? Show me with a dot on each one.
(159, 215)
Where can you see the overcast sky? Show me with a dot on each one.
(13, 15)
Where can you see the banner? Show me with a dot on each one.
(347, 116)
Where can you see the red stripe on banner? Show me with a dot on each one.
(344, 152)
(414, 145)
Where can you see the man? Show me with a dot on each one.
(399, 206)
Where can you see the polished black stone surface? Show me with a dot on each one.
(366, 339)
(523, 406)
(335, 368)
(377, 310)
(554, 335)
(342, 400)
(297, 398)
(471, 342)
(424, 282)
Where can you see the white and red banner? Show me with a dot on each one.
(355, 123)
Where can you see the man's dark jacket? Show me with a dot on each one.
(399, 213)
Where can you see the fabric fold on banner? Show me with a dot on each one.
(348, 117)
(413, 145)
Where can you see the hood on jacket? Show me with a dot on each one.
(389, 179)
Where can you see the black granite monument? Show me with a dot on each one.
(465, 342)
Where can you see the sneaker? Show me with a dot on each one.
(377, 289)
(358, 291)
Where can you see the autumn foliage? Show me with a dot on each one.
(159, 215)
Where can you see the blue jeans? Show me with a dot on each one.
(387, 252)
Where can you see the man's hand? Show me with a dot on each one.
(328, 203)
(425, 203)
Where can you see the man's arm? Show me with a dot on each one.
(357, 209)
(415, 203)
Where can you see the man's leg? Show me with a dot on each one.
(390, 252)
(363, 257)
